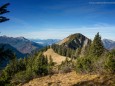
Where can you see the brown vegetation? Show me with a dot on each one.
(66, 79)
(56, 57)
(73, 79)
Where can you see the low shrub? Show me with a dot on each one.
(110, 62)
(66, 66)
(22, 77)
(84, 65)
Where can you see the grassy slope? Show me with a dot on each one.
(73, 79)
(56, 57)
(67, 79)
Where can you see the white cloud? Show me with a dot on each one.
(106, 31)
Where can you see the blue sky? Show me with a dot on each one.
(57, 19)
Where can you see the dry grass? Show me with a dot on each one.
(56, 57)
(63, 41)
(73, 79)
(67, 79)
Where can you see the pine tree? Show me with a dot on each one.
(2, 11)
(41, 65)
(5, 54)
(97, 47)
(50, 65)
(51, 61)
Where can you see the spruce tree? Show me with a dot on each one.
(97, 47)
(41, 65)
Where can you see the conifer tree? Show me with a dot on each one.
(50, 61)
(2, 11)
(50, 65)
(97, 47)
(5, 54)
(41, 65)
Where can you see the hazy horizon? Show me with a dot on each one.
(56, 19)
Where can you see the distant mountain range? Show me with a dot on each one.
(109, 44)
(14, 50)
(45, 42)
(22, 44)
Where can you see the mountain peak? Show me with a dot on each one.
(76, 35)
(109, 44)
(75, 41)
(108, 40)
(22, 38)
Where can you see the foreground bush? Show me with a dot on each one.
(84, 65)
(22, 77)
(66, 66)
(23, 70)
(92, 64)
(110, 62)
(98, 59)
